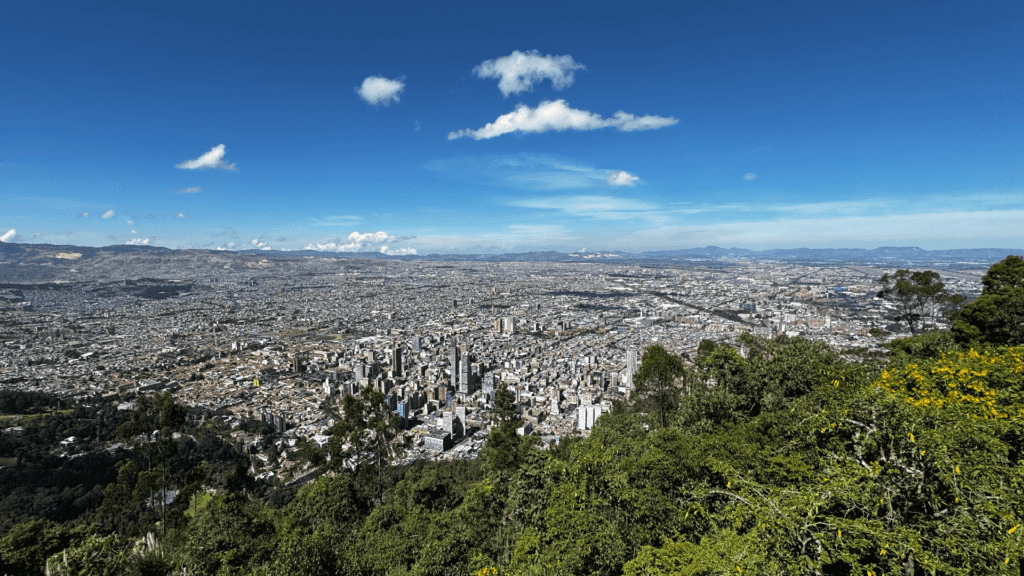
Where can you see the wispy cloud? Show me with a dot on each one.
(519, 71)
(335, 220)
(558, 116)
(212, 159)
(600, 207)
(9, 236)
(138, 241)
(381, 91)
(83, 215)
(189, 190)
(533, 172)
(108, 214)
(934, 228)
(180, 215)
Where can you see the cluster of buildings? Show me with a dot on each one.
(437, 339)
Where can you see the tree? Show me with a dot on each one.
(500, 450)
(997, 316)
(656, 379)
(916, 294)
(25, 547)
(159, 415)
(364, 439)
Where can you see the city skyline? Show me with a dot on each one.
(419, 128)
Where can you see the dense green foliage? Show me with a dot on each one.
(772, 457)
(997, 317)
(18, 402)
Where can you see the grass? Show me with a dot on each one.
(22, 419)
(198, 502)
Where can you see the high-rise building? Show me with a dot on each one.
(488, 386)
(467, 383)
(460, 420)
(631, 366)
(396, 362)
(453, 361)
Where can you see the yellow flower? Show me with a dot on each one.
(958, 469)
(911, 434)
(1014, 529)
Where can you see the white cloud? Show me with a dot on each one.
(212, 159)
(9, 236)
(381, 91)
(257, 243)
(130, 222)
(138, 241)
(360, 242)
(190, 189)
(180, 215)
(108, 214)
(622, 178)
(135, 231)
(558, 116)
(83, 215)
(397, 251)
(749, 176)
(519, 71)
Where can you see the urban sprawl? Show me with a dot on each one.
(436, 338)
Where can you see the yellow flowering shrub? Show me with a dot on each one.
(984, 383)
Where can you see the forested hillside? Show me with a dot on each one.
(771, 457)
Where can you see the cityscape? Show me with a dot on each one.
(277, 339)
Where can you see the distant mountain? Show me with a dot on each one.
(22, 250)
(850, 254)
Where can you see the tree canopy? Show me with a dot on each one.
(997, 316)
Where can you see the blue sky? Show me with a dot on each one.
(476, 127)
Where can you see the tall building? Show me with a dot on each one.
(453, 360)
(396, 361)
(467, 381)
(488, 387)
(460, 420)
(631, 366)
